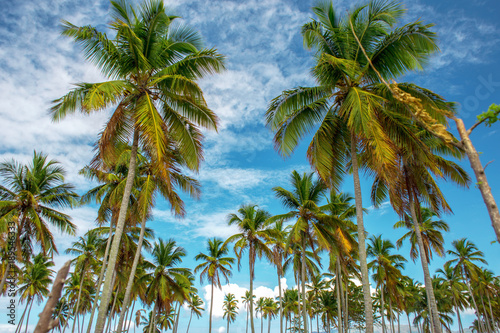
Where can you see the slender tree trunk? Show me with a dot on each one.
(460, 327)
(248, 312)
(189, 323)
(177, 318)
(493, 321)
(261, 322)
(101, 276)
(482, 182)
(317, 323)
(409, 323)
(115, 245)
(211, 308)
(83, 324)
(399, 323)
(131, 314)
(280, 299)
(227, 324)
(480, 322)
(346, 325)
(152, 323)
(251, 264)
(4, 278)
(131, 278)
(361, 237)
(382, 308)
(20, 324)
(303, 277)
(487, 319)
(28, 317)
(269, 324)
(79, 296)
(339, 301)
(113, 309)
(391, 317)
(431, 299)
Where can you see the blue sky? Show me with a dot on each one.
(265, 56)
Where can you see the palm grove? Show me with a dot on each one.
(357, 117)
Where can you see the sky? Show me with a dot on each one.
(265, 55)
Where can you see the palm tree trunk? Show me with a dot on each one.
(189, 323)
(177, 318)
(152, 323)
(227, 324)
(460, 327)
(4, 278)
(482, 182)
(480, 322)
(361, 237)
(101, 276)
(130, 283)
(261, 322)
(391, 317)
(486, 317)
(269, 324)
(382, 308)
(19, 326)
(211, 308)
(248, 312)
(431, 299)
(279, 293)
(115, 245)
(340, 307)
(113, 309)
(303, 278)
(28, 317)
(317, 323)
(251, 255)
(346, 325)
(79, 296)
(399, 323)
(494, 326)
(409, 323)
(130, 318)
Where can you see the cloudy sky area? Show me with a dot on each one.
(265, 56)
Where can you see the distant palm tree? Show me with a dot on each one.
(195, 305)
(466, 254)
(254, 236)
(35, 280)
(215, 263)
(29, 196)
(167, 278)
(269, 311)
(230, 307)
(259, 307)
(247, 298)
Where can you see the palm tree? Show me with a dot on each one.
(35, 280)
(246, 299)
(167, 279)
(254, 236)
(230, 308)
(344, 106)
(29, 196)
(466, 254)
(215, 263)
(386, 268)
(195, 305)
(259, 307)
(452, 280)
(153, 67)
(269, 310)
(311, 225)
(279, 236)
(430, 230)
(85, 248)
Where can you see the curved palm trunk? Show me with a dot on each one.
(28, 317)
(101, 275)
(433, 315)
(211, 308)
(79, 296)
(482, 182)
(251, 264)
(303, 278)
(189, 323)
(382, 308)
(115, 245)
(20, 325)
(130, 283)
(361, 237)
(481, 327)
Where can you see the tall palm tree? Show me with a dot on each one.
(279, 236)
(195, 306)
(152, 66)
(246, 299)
(215, 264)
(230, 307)
(35, 280)
(344, 106)
(466, 255)
(85, 248)
(386, 268)
(311, 225)
(167, 279)
(254, 236)
(30, 195)
(452, 280)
